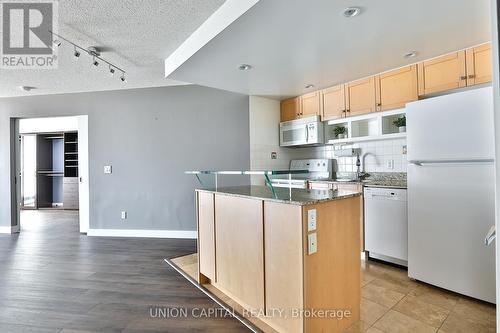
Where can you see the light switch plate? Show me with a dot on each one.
(312, 243)
(124, 215)
(311, 220)
(108, 169)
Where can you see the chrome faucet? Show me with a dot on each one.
(361, 172)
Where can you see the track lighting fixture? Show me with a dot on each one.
(91, 51)
(76, 54)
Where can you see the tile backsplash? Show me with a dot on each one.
(381, 156)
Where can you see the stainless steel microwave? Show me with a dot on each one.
(302, 132)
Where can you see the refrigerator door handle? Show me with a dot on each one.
(436, 162)
(490, 236)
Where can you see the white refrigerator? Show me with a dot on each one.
(451, 194)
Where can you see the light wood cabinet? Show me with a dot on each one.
(333, 100)
(239, 239)
(206, 231)
(290, 109)
(360, 97)
(479, 64)
(310, 104)
(283, 264)
(396, 88)
(441, 74)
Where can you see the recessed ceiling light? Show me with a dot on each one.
(309, 86)
(244, 67)
(26, 88)
(410, 54)
(351, 11)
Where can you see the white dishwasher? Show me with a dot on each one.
(386, 224)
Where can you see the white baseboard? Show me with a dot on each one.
(9, 230)
(188, 234)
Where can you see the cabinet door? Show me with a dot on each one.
(360, 97)
(441, 74)
(333, 99)
(396, 88)
(206, 234)
(310, 104)
(479, 64)
(290, 109)
(239, 239)
(283, 272)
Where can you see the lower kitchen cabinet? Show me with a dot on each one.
(206, 239)
(70, 193)
(239, 239)
(267, 261)
(283, 273)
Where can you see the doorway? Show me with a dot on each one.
(52, 166)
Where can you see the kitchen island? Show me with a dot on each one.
(289, 257)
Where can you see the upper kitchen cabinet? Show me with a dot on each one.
(290, 109)
(333, 100)
(396, 88)
(441, 74)
(310, 104)
(479, 64)
(360, 97)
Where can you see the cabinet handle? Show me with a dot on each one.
(463, 77)
(471, 76)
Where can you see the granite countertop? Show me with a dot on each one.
(301, 197)
(383, 179)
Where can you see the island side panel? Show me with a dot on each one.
(283, 265)
(239, 238)
(332, 275)
(206, 235)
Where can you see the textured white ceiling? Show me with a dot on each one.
(293, 43)
(135, 35)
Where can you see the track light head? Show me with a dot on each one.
(111, 71)
(95, 62)
(122, 78)
(76, 54)
(57, 42)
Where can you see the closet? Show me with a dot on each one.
(50, 170)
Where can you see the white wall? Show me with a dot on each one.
(264, 122)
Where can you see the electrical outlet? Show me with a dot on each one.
(108, 169)
(390, 164)
(124, 215)
(312, 243)
(274, 155)
(404, 150)
(311, 220)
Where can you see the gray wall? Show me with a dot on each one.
(150, 137)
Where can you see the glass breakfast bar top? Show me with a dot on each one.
(292, 196)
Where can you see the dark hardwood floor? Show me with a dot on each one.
(52, 279)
